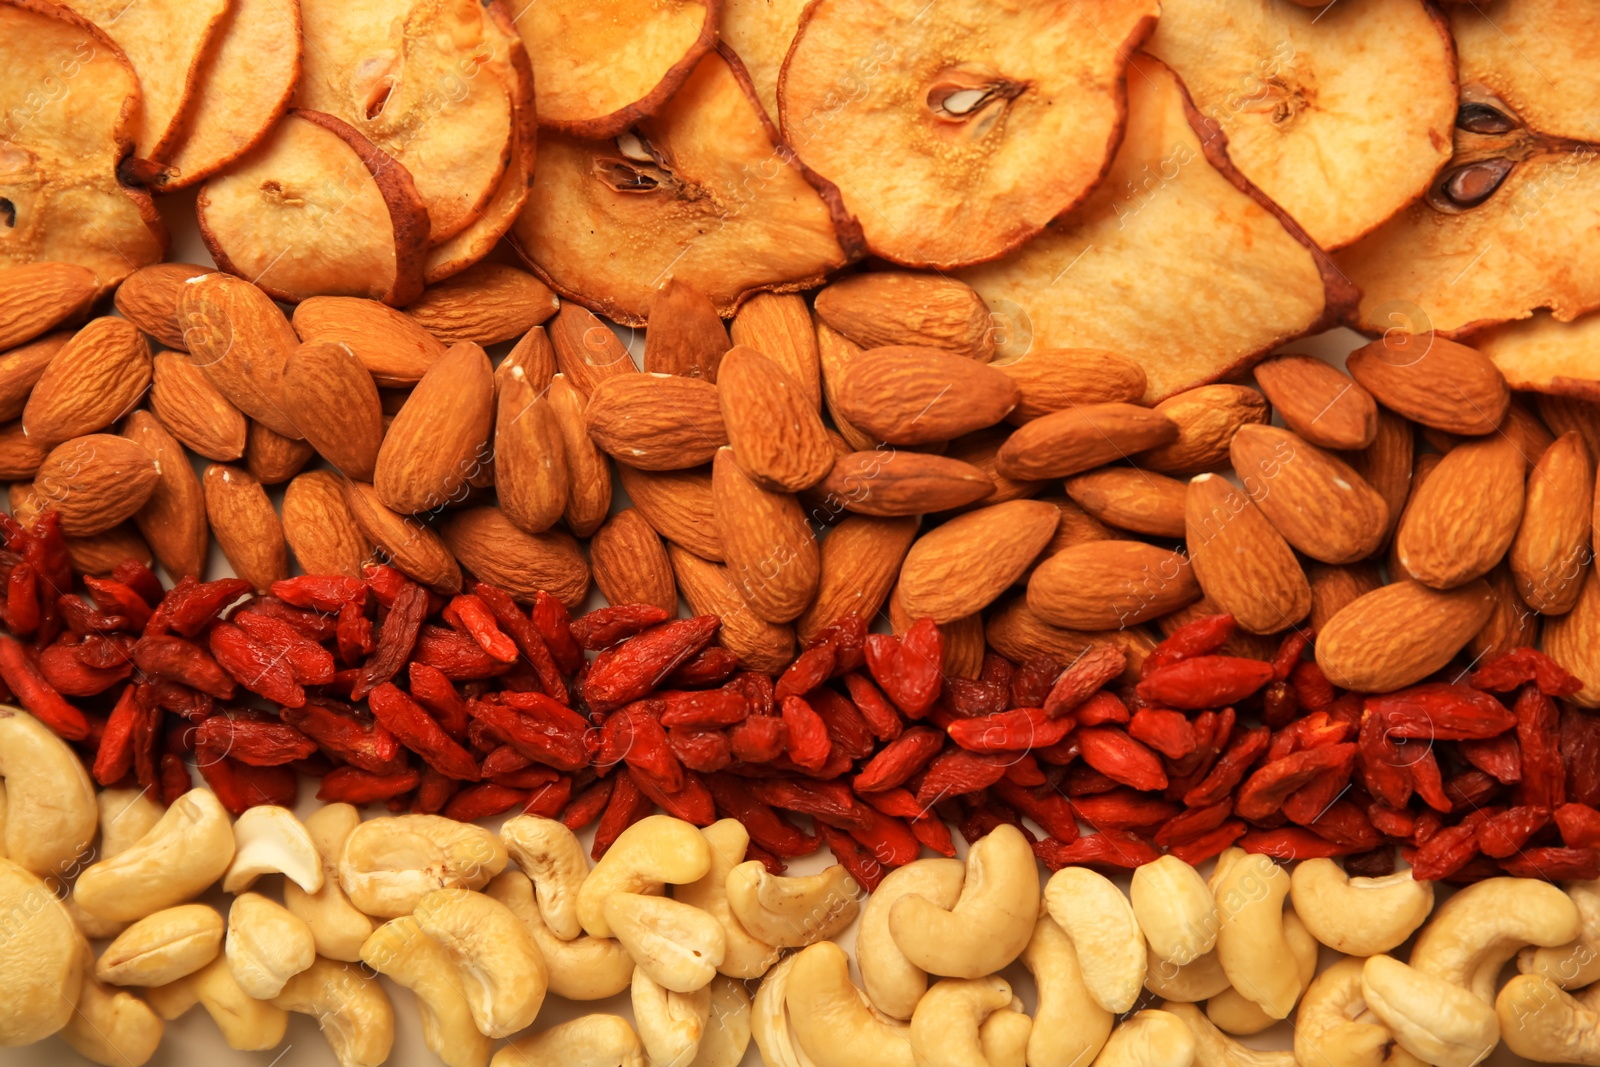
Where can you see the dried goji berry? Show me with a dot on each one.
(865, 868)
(810, 669)
(140, 578)
(847, 728)
(1383, 765)
(704, 708)
(848, 636)
(1579, 825)
(1109, 849)
(899, 760)
(240, 786)
(1101, 709)
(64, 669)
(253, 741)
(175, 659)
(1311, 801)
(1470, 789)
(1192, 823)
(548, 800)
(1230, 768)
(1345, 824)
(350, 785)
(534, 732)
(1439, 711)
(1544, 777)
(348, 736)
(707, 667)
(353, 634)
(969, 698)
(887, 839)
(1025, 771)
(982, 815)
(396, 637)
(311, 624)
(456, 654)
(1392, 822)
(1580, 751)
(1506, 833)
(115, 598)
(690, 802)
(1499, 757)
(1521, 666)
(809, 744)
(1168, 732)
(191, 606)
(699, 749)
(586, 807)
(482, 801)
(958, 772)
(431, 689)
(1119, 757)
(22, 608)
(881, 716)
(419, 732)
(175, 779)
(84, 620)
(897, 802)
(434, 792)
(1210, 844)
(735, 800)
(1095, 666)
(1083, 780)
(1555, 864)
(759, 739)
(634, 668)
(1204, 682)
(310, 663)
(114, 757)
(931, 831)
(1052, 811)
(1009, 731)
(528, 637)
(1290, 650)
(255, 666)
(1265, 791)
(1030, 682)
(1311, 687)
(35, 694)
(326, 593)
(1445, 853)
(909, 669)
(470, 614)
(831, 802)
(1124, 809)
(554, 623)
(1290, 843)
(1279, 704)
(1197, 637)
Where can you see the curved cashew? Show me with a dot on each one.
(125, 816)
(389, 864)
(1541, 1021)
(247, 1024)
(588, 1041)
(92, 926)
(1094, 913)
(769, 1020)
(792, 912)
(266, 945)
(399, 950)
(1187, 983)
(163, 947)
(746, 957)
(678, 946)
(112, 1026)
(1175, 909)
(653, 852)
(585, 968)
(991, 921)
(893, 983)
(183, 853)
(1213, 1048)
(1251, 944)
(1004, 1037)
(1577, 963)
(1069, 1027)
(1474, 933)
(1327, 1029)
(353, 1012)
(552, 857)
(945, 1027)
(1238, 1014)
(832, 1021)
(269, 840)
(502, 974)
(338, 928)
(1358, 916)
(1434, 1019)
(41, 959)
(727, 1032)
(671, 1025)
(50, 813)
(1149, 1039)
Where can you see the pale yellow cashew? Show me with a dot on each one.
(163, 947)
(1175, 909)
(945, 1030)
(112, 1026)
(671, 1025)
(1188, 983)
(792, 911)
(1358, 916)
(400, 951)
(1069, 1027)
(1328, 1030)
(893, 983)
(832, 1021)
(727, 1032)
(1474, 933)
(182, 854)
(1213, 1048)
(247, 1024)
(389, 864)
(1100, 921)
(551, 856)
(769, 1019)
(1575, 964)
(678, 946)
(1238, 1014)
(588, 1041)
(656, 851)
(270, 840)
(1004, 1037)
(337, 926)
(354, 1014)
(1149, 1039)
(503, 976)
(585, 968)
(266, 945)
(991, 922)
(746, 956)
(1251, 944)
(125, 816)
(50, 812)
(1438, 1021)
(1540, 1021)
(41, 959)
(93, 926)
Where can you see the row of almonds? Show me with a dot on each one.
(1041, 502)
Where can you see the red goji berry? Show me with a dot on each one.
(456, 654)
(1520, 666)
(249, 786)
(113, 597)
(1025, 771)
(1210, 844)
(704, 708)
(113, 758)
(586, 807)
(1290, 843)
(848, 636)
(1095, 667)
(1168, 732)
(707, 667)
(1052, 811)
(1507, 833)
(1083, 780)
(1119, 757)
(897, 802)
(175, 659)
(1439, 711)
(1290, 650)
(431, 689)
(899, 760)
(483, 801)
(529, 639)
(326, 593)
(1102, 709)
(634, 668)
(887, 839)
(396, 637)
(691, 802)
(1197, 637)
(1009, 731)
(35, 694)
(1392, 822)
(1230, 768)
(865, 868)
(84, 620)
(969, 698)
(908, 668)
(348, 736)
(830, 802)
(957, 772)
(604, 627)
(847, 728)
(1555, 864)
(1312, 800)
(352, 786)
(1580, 751)
(554, 623)
(469, 614)
(1470, 789)
(353, 634)
(758, 739)
(1124, 809)
(548, 800)
(542, 738)
(1279, 704)
(1499, 757)
(434, 792)
(1031, 682)
(253, 741)
(310, 663)
(1107, 850)
(65, 670)
(1544, 777)
(140, 578)
(881, 716)
(809, 744)
(1192, 823)
(190, 607)
(1345, 824)
(810, 669)
(982, 816)
(703, 750)
(255, 666)
(1204, 682)
(313, 625)
(735, 800)
(175, 779)
(22, 609)
(418, 731)
(1579, 825)
(1265, 791)
(1445, 853)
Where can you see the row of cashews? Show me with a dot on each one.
(676, 916)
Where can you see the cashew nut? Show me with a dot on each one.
(1149, 1039)
(269, 840)
(92, 926)
(1069, 1027)
(1434, 1019)
(112, 1026)
(945, 1026)
(125, 816)
(266, 945)
(746, 957)
(1251, 944)
(1577, 963)
(1187, 983)
(552, 857)
(893, 983)
(389, 864)
(1541, 1021)
(1175, 909)
(50, 812)
(503, 976)
(1328, 1030)
(585, 968)
(670, 1024)
(41, 958)
(1358, 916)
(353, 1012)
(401, 951)
(678, 946)
(184, 852)
(1238, 1014)
(338, 928)
(832, 1021)
(1477, 930)
(1213, 1048)
(727, 1031)
(792, 911)
(163, 947)
(991, 921)
(247, 1024)
(589, 1041)
(1100, 921)
(1004, 1037)
(653, 852)
(769, 1019)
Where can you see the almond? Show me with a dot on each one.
(240, 339)
(1431, 380)
(99, 554)
(485, 304)
(1400, 634)
(246, 526)
(1573, 640)
(771, 553)
(902, 308)
(835, 352)
(1244, 565)
(861, 558)
(887, 481)
(1426, 464)
(709, 590)
(1334, 585)
(490, 545)
(962, 566)
(272, 458)
(587, 352)
(148, 298)
(20, 456)
(677, 505)
(1321, 506)
(1207, 419)
(321, 532)
(982, 451)
(1530, 435)
(37, 297)
(962, 638)
(22, 367)
(173, 520)
(777, 435)
(395, 349)
(530, 457)
(1082, 438)
(1056, 378)
(1386, 463)
(1512, 624)
(1319, 402)
(335, 403)
(684, 334)
(195, 411)
(588, 471)
(441, 436)
(656, 421)
(1555, 542)
(1563, 413)
(1105, 585)
(95, 482)
(630, 563)
(535, 355)
(413, 548)
(1132, 499)
(1075, 527)
(778, 325)
(94, 380)
(1463, 518)
(908, 395)
(1017, 633)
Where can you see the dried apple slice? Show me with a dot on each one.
(760, 32)
(1342, 116)
(698, 192)
(956, 129)
(68, 97)
(418, 79)
(1544, 355)
(1175, 261)
(602, 65)
(316, 210)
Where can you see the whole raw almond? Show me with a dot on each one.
(861, 558)
(961, 566)
(37, 297)
(485, 304)
(835, 352)
(530, 457)
(237, 335)
(1133, 499)
(1460, 522)
(1242, 563)
(1104, 585)
(173, 519)
(272, 458)
(889, 481)
(490, 545)
(709, 590)
(1573, 640)
(413, 548)
(677, 505)
(1017, 633)
(1207, 418)
(630, 563)
(441, 436)
(1386, 463)
(394, 348)
(22, 367)
(95, 482)
(94, 380)
(1512, 624)
(1555, 540)
(1426, 464)
(982, 450)
(772, 555)
(20, 455)
(587, 352)
(962, 638)
(1532, 437)
(1319, 402)
(656, 421)
(1434, 381)
(1321, 506)
(246, 526)
(1335, 585)
(903, 308)
(1056, 378)
(195, 411)
(588, 471)
(1075, 527)
(778, 325)
(1082, 438)
(321, 532)
(777, 434)
(148, 298)
(684, 334)
(98, 554)
(335, 403)
(535, 356)
(908, 395)
(1400, 634)
(1563, 413)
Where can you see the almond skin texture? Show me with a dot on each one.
(677, 505)
(530, 457)
(772, 555)
(335, 403)
(1512, 624)
(963, 565)
(902, 308)
(19, 456)
(22, 367)
(1573, 640)
(1433, 381)
(247, 528)
(487, 303)
(1207, 419)
(1319, 402)
(962, 638)
(1463, 518)
(1400, 634)
(861, 558)
(1386, 463)
(1017, 633)
(148, 298)
(173, 520)
(684, 334)
(1321, 506)
(982, 450)
(908, 395)
(777, 435)
(835, 352)
(1132, 499)
(1426, 464)
(586, 350)
(441, 436)
(778, 325)
(491, 546)
(321, 532)
(100, 553)
(1075, 527)
(1056, 378)
(1563, 413)
(887, 481)
(535, 355)
(1335, 585)
(709, 590)
(36, 297)
(195, 411)
(630, 563)
(1082, 438)
(272, 458)
(94, 380)
(1555, 539)
(588, 471)
(95, 482)
(414, 549)
(395, 349)
(657, 421)
(1244, 565)
(1106, 585)
(237, 335)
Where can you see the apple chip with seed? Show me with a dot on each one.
(1544, 355)
(317, 210)
(68, 101)
(956, 129)
(1175, 261)
(700, 192)
(1316, 104)
(759, 32)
